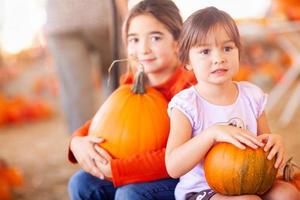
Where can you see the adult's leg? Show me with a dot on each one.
(155, 190)
(73, 66)
(84, 186)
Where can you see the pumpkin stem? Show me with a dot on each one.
(288, 170)
(139, 79)
(111, 66)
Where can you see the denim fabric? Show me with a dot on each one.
(82, 185)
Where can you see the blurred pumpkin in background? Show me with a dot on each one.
(10, 177)
(290, 8)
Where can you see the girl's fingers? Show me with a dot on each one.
(236, 143)
(264, 137)
(105, 157)
(93, 154)
(88, 165)
(273, 152)
(91, 167)
(95, 139)
(282, 164)
(96, 171)
(254, 139)
(245, 140)
(268, 146)
(279, 160)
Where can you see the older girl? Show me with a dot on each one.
(151, 31)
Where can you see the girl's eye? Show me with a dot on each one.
(205, 51)
(228, 48)
(132, 40)
(155, 38)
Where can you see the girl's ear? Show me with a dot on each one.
(188, 67)
(176, 47)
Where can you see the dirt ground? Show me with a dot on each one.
(39, 150)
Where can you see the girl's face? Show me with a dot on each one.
(152, 45)
(215, 61)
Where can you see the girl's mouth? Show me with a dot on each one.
(146, 61)
(220, 71)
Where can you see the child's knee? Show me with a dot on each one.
(283, 190)
(288, 192)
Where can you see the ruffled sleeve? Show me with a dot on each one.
(185, 102)
(257, 97)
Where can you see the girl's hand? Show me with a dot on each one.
(273, 143)
(236, 136)
(104, 167)
(86, 155)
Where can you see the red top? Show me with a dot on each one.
(148, 166)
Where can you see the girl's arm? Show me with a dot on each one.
(143, 167)
(184, 152)
(262, 124)
(273, 142)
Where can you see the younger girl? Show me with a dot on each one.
(151, 31)
(216, 109)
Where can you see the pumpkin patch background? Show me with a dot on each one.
(33, 133)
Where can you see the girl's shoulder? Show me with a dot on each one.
(185, 99)
(186, 94)
(254, 95)
(187, 102)
(247, 88)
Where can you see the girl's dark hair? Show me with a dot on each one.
(165, 11)
(198, 25)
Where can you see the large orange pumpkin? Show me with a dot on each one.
(289, 174)
(232, 171)
(132, 120)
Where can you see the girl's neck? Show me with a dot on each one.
(225, 94)
(160, 77)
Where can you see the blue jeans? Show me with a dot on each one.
(83, 185)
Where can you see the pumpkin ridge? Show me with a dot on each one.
(239, 171)
(243, 170)
(122, 125)
(156, 104)
(260, 189)
(262, 172)
(132, 115)
(226, 171)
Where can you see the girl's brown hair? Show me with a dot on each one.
(165, 11)
(198, 25)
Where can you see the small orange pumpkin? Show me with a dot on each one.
(289, 175)
(10, 177)
(132, 120)
(232, 171)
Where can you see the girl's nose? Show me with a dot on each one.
(218, 58)
(219, 61)
(145, 47)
